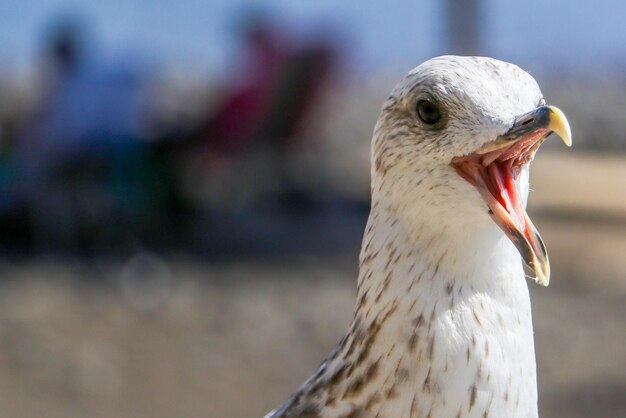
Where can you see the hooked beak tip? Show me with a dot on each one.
(559, 125)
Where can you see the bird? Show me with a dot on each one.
(442, 325)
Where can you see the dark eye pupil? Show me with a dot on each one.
(428, 112)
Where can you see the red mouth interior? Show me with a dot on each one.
(496, 176)
(504, 186)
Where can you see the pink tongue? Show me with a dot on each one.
(504, 180)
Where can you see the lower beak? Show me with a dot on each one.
(495, 170)
(517, 226)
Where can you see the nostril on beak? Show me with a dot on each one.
(527, 121)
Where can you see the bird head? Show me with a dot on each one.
(453, 144)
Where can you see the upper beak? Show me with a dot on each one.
(550, 118)
(544, 119)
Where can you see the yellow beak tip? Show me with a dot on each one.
(559, 125)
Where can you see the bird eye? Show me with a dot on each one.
(428, 112)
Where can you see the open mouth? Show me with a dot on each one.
(495, 172)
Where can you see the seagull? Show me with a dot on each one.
(442, 326)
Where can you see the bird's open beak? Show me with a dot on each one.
(494, 170)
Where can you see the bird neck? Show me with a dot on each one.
(441, 324)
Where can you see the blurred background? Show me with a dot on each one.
(184, 185)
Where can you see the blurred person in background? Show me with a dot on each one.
(81, 153)
(247, 95)
(256, 126)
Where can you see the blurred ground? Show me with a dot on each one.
(189, 338)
